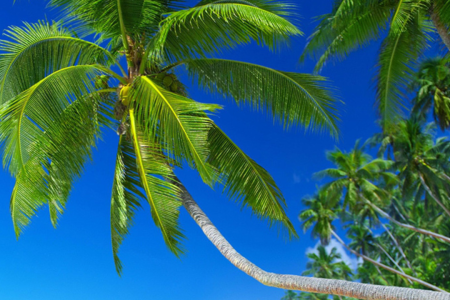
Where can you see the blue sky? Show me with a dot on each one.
(75, 260)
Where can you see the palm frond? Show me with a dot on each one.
(353, 24)
(399, 52)
(56, 158)
(292, 98)
(246, 181)
(111, 18)
(125, 197)
(27, 116)
(162, 196)
(179, 122)
(36, 50)
(213, 27)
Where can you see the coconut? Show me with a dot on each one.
(168, 80)
(124, 95)
(175, 86)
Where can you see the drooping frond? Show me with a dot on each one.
(111, 18)
(162, 196)
(36, 50)
(246, 181)
(292, 98)
(179, 122)
(56, 158)
(399, 52)
(213, 27)
(279, 8)
(353, 24)
(27, 116)
(125, 197)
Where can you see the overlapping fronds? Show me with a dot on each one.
(442, 7)
(179, 122)
(56, 158)
(125, 197)
(398, 55)
(292, 98)
(163, 196)
(246, 181)
(36, 50)
(213, 27)
(351, 25)
(277, 7)
(110, 17)
(27, 116)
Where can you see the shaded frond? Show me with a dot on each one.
(26, 117)
(247, 181)
(36, 50)
(179, 122)
(213, 27)
(56, 158)
(353, 24)
(292, 98)
(162, 196)
(110, 17)
(400, 50)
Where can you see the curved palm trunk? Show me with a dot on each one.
(400, 249)
(407, 226)
(441, 28)
(366, 258)
(427, 188)
(300, 283)
(393, 261)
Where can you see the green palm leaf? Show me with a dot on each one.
(162, 196)
(219, 25)
(113, 18)
(394, 69)
(245, 180)
(56, 158)
(37, 50)
(26, 117)
(125, 197)
(179, 122)
(292, 98)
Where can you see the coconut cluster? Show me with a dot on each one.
(171, 82)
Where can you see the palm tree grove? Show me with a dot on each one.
(327, 121)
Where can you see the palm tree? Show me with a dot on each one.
(59, 91)
(405, 27)
(290, 295)
(54, 109)
(423, 164)
(327, 265)
(319, 214)
(432, 83)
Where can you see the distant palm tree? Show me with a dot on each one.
(432, 83)
(405, 27)
(326, 264)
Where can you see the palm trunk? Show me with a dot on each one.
(400, 249)
(407, 226)
(393, 261)
(293, 282)
(366, 258)
(441, 28)
(427, 188)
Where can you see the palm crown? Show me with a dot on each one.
(58, 92)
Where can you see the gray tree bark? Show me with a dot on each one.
(300, 283)
(407, 226)
(441, 28)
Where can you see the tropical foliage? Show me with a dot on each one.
(407, 27)
(60, 91)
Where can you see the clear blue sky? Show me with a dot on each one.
(75, 260)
